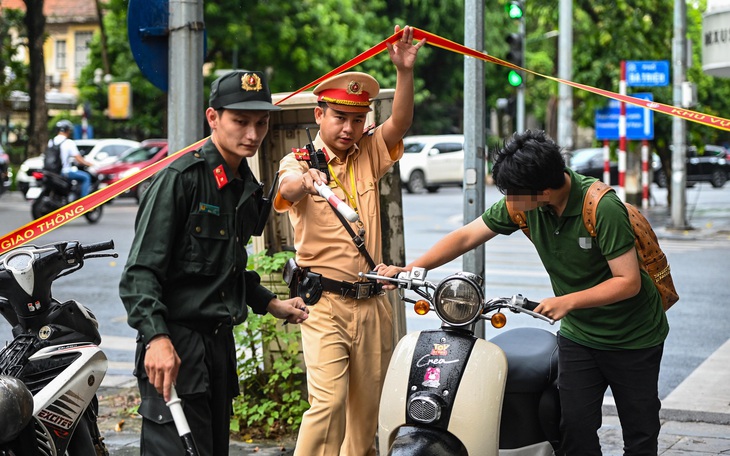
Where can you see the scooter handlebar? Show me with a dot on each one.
(97, 247)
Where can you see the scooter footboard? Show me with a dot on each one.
(416, 440)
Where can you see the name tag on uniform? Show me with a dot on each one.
(209, 209)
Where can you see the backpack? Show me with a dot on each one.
(52, 158)
(651, 257)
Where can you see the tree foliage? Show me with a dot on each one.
(297, 42)
(149, 103)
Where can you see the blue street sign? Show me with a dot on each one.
(148, 31)
(647, 73)
(639, 121)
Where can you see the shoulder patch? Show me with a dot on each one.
(301, 154)
(188, 160)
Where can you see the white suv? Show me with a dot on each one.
(98, 151)
(430, 162)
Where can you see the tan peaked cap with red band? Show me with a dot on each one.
(348, 92)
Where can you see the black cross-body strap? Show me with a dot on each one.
(356, 238)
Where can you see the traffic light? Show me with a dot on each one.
(515, 56)
(515, 9)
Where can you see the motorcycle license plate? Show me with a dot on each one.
(33, 193)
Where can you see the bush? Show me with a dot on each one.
(272, 383)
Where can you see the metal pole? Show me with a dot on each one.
(185, 95)
(565, 71)
(679, 129)
(520, 127)
(622, 136)
(606, 162)
(474, 133)
(644, 174)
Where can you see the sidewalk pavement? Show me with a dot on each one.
(695, 416)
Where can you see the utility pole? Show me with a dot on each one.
(521, 88)
(565, 72)
(474, 133)
(679, 128)
(516, 56)
(185, 96)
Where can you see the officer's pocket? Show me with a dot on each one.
(209, 236)
(368, 198)
(325, 213)
(154, 409)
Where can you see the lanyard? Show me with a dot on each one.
(350, 168)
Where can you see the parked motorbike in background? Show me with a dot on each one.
(55, 191)
(448, 392)
(54, 352)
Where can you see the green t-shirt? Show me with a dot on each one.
(575, 261)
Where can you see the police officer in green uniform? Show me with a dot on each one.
(185, 284)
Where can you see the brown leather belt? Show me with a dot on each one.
(356, 290)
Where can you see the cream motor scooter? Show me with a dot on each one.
(448, 392)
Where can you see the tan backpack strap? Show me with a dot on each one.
(518, 218)
(590, 205)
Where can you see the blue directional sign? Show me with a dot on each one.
(148, 31)
(639, 121)
(647, 73)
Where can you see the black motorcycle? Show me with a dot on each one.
(56, 191)
(54, 353)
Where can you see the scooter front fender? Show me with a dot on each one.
(419, 441)
(476, 396)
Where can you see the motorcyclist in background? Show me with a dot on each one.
(70, 155)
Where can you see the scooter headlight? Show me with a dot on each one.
(458, 299)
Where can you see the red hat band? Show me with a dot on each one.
(345, 97)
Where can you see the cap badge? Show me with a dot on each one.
(251, 81)
(354, 88)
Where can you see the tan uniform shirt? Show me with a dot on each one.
(321, 242)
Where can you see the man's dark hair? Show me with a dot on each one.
(528, 163)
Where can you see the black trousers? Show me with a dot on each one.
(584, 374)
(206, 384)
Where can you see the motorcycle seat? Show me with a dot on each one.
(57, 182)
(532, 359)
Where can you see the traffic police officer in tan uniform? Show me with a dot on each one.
(185, 284)
(347, 339)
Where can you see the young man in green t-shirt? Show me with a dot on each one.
(613, 325)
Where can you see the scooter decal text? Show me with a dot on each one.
(426, 360)
(440, 350)
(53, 418)
(64, 411)
(432, 379)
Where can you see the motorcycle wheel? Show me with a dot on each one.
(40, 207)
(94, 215)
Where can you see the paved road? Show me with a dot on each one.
(512, 266)
(693, 382)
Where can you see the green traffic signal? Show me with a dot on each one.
(514, 10)
(514, 78)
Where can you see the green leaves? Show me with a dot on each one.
(269, 366)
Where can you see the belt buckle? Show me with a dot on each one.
(363, 290)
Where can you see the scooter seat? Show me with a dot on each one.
(532, 359)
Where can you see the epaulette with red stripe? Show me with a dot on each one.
(301, 154)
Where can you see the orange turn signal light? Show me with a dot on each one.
(498, 320)
(421, 307)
